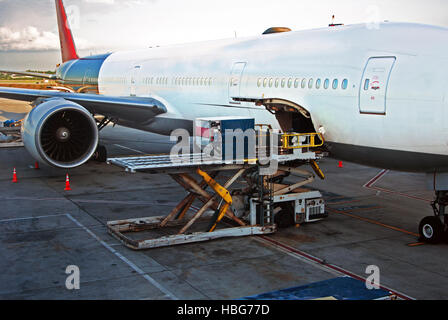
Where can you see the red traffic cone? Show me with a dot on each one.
(14, 176)
(67, 183)
(36, 165)
(341, 165)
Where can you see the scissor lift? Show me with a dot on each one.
(177, 227)
(10, 135)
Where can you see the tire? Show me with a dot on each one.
(100, 154)
(285, 217)
(431, 230)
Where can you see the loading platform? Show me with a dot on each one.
(250, 200)
(10, 135)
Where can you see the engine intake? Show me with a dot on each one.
(60, 133)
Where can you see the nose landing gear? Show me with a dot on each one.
(433, 229)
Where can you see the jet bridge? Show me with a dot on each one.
(246, 197)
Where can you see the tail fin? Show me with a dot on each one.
(68, 48)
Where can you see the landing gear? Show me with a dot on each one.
(103, 123)
(432, 229)
(100, 154)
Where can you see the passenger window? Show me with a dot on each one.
(318, 83)
(326, 83)
(344, 84)
(259, 82)
(276, 82)
(335, 83)
(283, 82)
(289, 82)
(310, 83)
(303, 83)
(265, 82)
(366, 84)
(271, 82)
(296, 83)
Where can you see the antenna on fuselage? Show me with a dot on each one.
(332, 24)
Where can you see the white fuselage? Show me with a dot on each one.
(393, 96)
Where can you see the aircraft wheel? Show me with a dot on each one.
(431, 230)
(100, 154)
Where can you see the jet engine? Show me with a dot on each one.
(60, 133)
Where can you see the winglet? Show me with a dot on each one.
(68, 48)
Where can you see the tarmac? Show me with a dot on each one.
(373, 220)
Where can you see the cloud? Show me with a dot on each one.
(32, 39)
(29, 38)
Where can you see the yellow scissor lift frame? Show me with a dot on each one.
(220, 202)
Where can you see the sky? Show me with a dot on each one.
(29, 36)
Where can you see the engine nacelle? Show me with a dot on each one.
(60, 133)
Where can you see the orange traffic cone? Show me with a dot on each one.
(14, 176)
(67, 183)
(341, 165)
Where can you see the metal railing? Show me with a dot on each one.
(293, 140)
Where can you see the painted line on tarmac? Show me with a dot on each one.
(167, 293)
(31, 218)
(375, 179)
(373, 222)
(120, 146)
(281, 246)
(152, 203)
(416, 244)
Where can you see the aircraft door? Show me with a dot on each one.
(373, 89)
(134, 80)
(235, 81)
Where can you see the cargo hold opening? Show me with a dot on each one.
(292, 117)
(294, 122)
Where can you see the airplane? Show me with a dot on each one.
(377, 95)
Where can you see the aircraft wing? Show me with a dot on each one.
(31, 74)
(135, 109)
